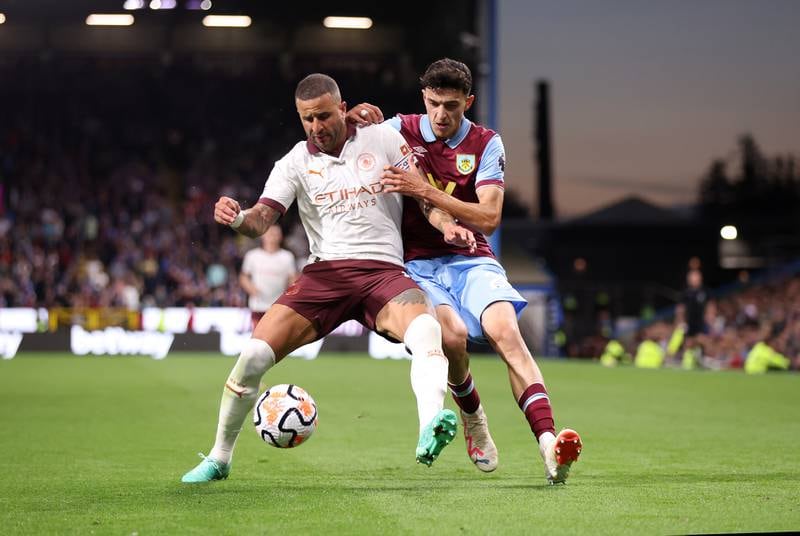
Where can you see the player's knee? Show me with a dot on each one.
(505, 334)
(454, 331)
(423, 332)
(454, 340)
(256, 358)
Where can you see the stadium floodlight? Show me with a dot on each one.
(349, 23)
(196, 5)
(130, 5)
(729, 232)
(107, 19)
(227, 21)
(2, 18)
(163, 4)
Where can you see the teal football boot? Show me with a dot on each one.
(207, 470)
(436, 435)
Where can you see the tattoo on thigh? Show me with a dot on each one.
(412, 296)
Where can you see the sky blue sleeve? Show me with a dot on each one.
(394, 122)
(493, 161)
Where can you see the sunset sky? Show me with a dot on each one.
(645, 94)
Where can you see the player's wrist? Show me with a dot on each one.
(425, 194)
(237, 221)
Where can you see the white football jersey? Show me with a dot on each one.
(344, 210)
(270, 273)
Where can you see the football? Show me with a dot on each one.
(285, 416)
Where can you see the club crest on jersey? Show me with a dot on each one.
(465, 163)
(366, 161)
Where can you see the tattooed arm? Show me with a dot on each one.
(252, 222)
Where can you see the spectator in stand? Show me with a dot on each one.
(92, 171)
(759, 325)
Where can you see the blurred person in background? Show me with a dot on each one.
(694, 301)
(266, 272)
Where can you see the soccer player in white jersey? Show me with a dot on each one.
(355, 270)
(266, 272)
(464, 164)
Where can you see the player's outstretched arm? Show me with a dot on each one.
(252, 222)
(483, 216)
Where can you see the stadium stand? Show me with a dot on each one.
(756, 327)
(106, 198)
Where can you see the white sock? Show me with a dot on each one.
(428, 366)
(239, 396)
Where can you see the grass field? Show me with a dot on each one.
(98, 446)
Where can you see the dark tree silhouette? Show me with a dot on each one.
(763, 186)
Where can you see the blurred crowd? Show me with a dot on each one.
(756, 327)
(109, 172)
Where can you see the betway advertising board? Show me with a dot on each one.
(172, 330)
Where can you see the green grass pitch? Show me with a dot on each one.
(98, 446)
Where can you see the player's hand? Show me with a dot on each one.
(459, 236)
(364, 114)
(405, 182)
(226, 210)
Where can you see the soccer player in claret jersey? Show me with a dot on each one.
(464, 164)
(355, 270)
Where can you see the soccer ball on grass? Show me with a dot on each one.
(285, 416)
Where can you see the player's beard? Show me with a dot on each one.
(327, 141)
(323, 141)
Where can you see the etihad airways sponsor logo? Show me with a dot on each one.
(345, 194)
(347, 207)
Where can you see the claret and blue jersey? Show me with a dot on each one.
(452, 275)
(471, 159)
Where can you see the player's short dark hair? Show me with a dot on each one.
(447, 74)
(316, 85)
